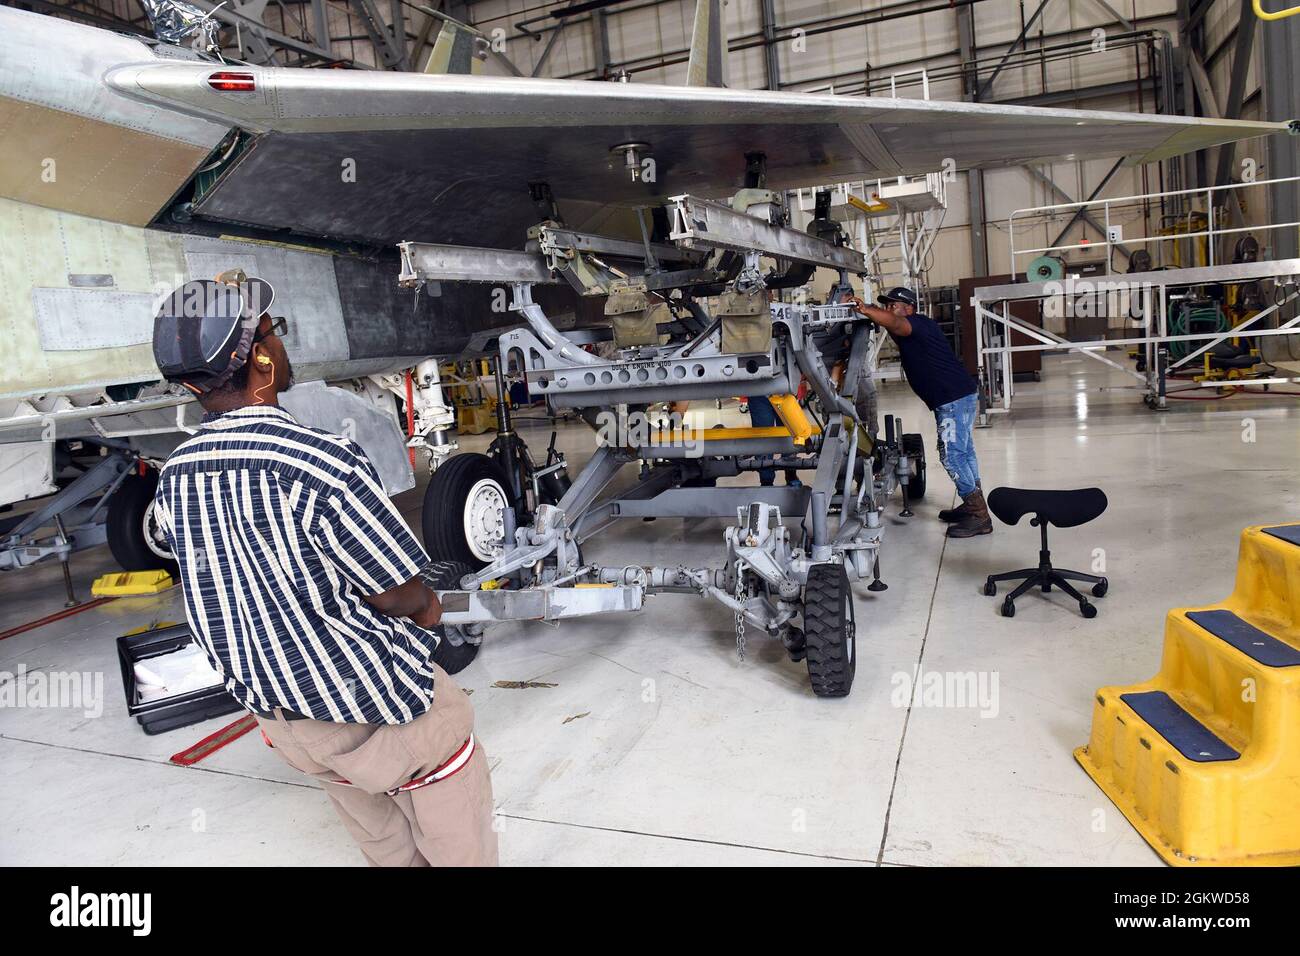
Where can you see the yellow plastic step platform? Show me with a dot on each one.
(131, 583)
(1204, 759)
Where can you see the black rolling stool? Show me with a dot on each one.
(1065, 509)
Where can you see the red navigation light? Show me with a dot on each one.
(228, 81)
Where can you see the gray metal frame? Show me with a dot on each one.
(764, 571)
(703, 224)
(70, 520)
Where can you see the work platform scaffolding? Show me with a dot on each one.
(1141, 298)
(894, 222)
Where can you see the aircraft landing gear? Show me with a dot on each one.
(133, 535)
(464, 511)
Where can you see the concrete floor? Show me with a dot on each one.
(657, 746)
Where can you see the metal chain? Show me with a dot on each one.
(740, 617)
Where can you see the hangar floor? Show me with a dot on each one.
(657, 746)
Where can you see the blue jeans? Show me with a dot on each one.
(956, 424)
(763, 415)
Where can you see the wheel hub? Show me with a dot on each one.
(485, 519)
(154, 538)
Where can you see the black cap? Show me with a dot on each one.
(899, 294)
(203, 332)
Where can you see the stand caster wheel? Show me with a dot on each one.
(1087, 610)
(795, 644)
(1099, 589)
(990, 588)
(1008, 609)
(829, 631)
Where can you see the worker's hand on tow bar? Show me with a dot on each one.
(431, 615)
(412, 600)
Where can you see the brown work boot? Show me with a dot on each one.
(956, 514)
(976, 521)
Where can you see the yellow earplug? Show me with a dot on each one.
(263, 360)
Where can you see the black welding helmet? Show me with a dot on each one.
(203, 332)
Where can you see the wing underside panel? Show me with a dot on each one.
(449, 158)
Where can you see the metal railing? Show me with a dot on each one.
(1210, 233)
(925, 81)
(1153, 292)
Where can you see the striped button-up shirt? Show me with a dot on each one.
(279, 531)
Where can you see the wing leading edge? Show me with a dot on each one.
(437, 156)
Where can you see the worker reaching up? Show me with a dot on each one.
(948, 390)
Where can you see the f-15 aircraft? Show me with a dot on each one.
(129, 166)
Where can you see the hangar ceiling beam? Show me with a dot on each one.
(320, 24)
(771, 57)
(397, 18)
(1116, 16)
(1016, 44)
(390, 55)
(599, 43)
(1280, 74)
(979, 244)
(242, 18)
(1237, 86)
(551, 41)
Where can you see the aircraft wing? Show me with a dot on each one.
(449, 158)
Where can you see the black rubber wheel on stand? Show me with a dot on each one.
(132, 533)
(914, 448)
(463, 510)
(450, 656)
(829, 629)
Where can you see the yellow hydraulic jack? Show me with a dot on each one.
(1204, 760)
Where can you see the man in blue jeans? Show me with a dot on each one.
(763, 415)
(948, 390)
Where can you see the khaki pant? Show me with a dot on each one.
(447, 823)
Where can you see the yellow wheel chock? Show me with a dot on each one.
(129, 583)
(1204, 759)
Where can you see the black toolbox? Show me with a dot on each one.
(168, 713)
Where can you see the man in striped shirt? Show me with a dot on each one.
(302, 583)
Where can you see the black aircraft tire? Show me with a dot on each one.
(128, 509)
(914, 448)
(449, 512)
